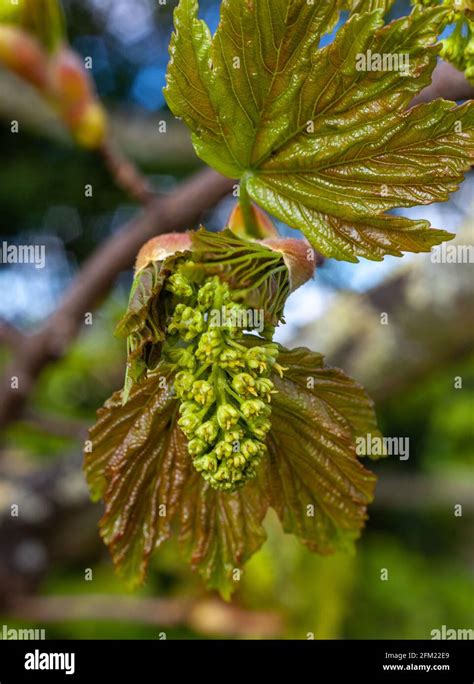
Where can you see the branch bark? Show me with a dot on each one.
(447, 82)
(207, 616)
(177, 211)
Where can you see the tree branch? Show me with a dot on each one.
(125, 174)
(9, 335)
(177, 211)
(447, 82)
(207, 616)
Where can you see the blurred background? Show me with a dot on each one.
(403, 328)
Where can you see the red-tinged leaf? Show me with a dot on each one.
(220, 531)
(317, 486)
(139, 464)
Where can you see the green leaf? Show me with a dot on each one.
(256, 274)
(365, 6)
(316, 483)
(325, 146)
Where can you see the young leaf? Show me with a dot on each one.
(220, 531)
(316, 484)
(138, 464)
(324, 145)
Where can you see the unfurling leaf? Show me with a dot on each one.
(316, 484)
(317, 139)
(220, 424)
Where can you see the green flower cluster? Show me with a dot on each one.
(458, 47)
(222, 383)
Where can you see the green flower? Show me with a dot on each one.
(183, 383)
(254, 407)
(245, 384)
(203, 392)
(208, 431)
(227, 416)
(180, 286)
(209, 346)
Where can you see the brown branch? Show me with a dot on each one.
(447, 82)
(9, 335)
(208, 616)
(177, 211)
(56, 425)
(125, 174)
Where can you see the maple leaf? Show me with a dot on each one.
(321, 145)
(138, 463)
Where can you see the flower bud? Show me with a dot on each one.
(207, 294)
(208, 431)
(259, 427)
(209, 346)
(234, 435)
(22, 54)
(265, 388)
(183, 383)
(257, 359)
(189, 407)
(249, 448)
(203, 392)
(244, 384)
(183, 357)
(187, 322)
(232, 359)
(207, 462)
(227, 416)
(254, 407)
(188, 423)
(196, 447)
(179, 286)
(223, 450)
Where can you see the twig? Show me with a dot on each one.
(447, 82)
(9, 335)
(59, 426)
(125, 174)
(175, 212)
(210, 616)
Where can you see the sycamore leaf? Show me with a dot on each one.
(319, 139)
(140, 466)
(315, 482)
(254, 271)
(220, 531)
(365, 6)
